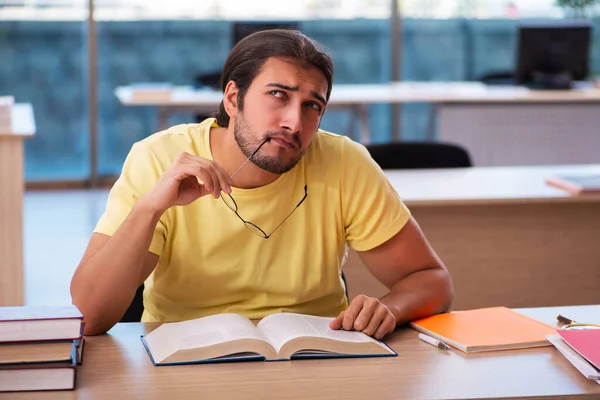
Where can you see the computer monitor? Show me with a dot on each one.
(551, 55)
(243, 29)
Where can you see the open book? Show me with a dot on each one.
(232, 337)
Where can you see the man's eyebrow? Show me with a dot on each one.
(295, 89)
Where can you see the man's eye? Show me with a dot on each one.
(276, 93)
(316, 106)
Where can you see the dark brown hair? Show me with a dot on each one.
(247, 58)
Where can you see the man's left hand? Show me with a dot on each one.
(368, 315)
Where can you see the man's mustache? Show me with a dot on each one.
(284, 135)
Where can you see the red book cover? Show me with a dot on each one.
(586, 342)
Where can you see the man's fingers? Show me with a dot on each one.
(352, 312)
(366, 314)
(207, 180)
(387, 326)
(220, 179)
(378, 317)
(213, 176)
(337, 322)
(224, 177)
(210, 178)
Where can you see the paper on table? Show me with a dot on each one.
(586, 342)
(571, 355)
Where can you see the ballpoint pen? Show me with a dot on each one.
(434, 342)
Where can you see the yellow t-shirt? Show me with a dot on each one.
(211, 263)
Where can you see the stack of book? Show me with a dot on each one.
(581, 348)
(40, 347)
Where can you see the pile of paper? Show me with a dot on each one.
(582, 349)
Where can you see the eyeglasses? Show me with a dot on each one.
(252, 227)
(230, 202)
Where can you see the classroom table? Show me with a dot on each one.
(498, 125)
(116, 366)
(506, 236)
(11, 204)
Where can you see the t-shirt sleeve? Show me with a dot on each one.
(140, 173)
(372, 209)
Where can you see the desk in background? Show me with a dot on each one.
(499, 125)
(11, 204)
(117, 366)
(506, 237)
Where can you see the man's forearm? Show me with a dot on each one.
(420, 294)
(104, 284)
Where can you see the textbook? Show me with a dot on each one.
(41, 352)
(36, 352)
(485, 329)
(233, 337)
(38, 376)
(576, 184)
(39, 323)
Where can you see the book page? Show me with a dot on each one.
(283, 327)
(202, 332)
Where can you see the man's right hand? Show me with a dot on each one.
(186, 180)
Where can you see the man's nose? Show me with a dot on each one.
(292, 119)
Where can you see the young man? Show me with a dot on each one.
(209, 232)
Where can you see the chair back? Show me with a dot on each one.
(136, 308)
(419, 155)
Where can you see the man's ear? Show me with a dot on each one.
(230, 99)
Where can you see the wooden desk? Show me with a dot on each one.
(116, 366)
(506, 237)
(11, 204)
(499, 125)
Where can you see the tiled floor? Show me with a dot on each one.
(57, 227)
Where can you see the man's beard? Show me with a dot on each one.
(244, 138)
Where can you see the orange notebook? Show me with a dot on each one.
(485, 329)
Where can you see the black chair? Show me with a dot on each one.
(136, 308)
(419, 155)
(498, 78)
